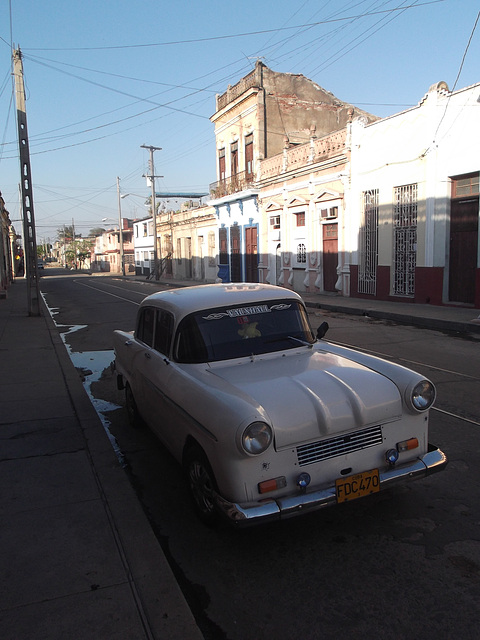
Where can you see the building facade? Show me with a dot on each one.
(187, 241)
(376, 208)
(302, 204)
(413, 225)
(9, 251)
(107, 253)
(270, 115)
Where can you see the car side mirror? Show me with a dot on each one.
(322, 330)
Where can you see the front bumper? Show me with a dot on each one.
(275, 509)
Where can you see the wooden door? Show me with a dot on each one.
(251, 259)
(463, 250)
(330, 256)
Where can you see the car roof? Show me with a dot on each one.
(184, 300)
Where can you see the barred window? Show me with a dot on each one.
(368, 243)
(405, 239)
(301, 253)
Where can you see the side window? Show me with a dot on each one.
(163, 332)
(145, 326)
(190, 346)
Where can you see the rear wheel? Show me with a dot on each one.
(201, 485)
(131, 407)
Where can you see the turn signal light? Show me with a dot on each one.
(407, 445)
(272, 485)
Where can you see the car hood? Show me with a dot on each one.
(314, 394)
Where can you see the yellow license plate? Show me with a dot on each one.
(357, 486)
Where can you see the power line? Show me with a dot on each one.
(230, 36)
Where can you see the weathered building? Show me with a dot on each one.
(9, 254)
(109, 254)
(187, 242)
(265, 114)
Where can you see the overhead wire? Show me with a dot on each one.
(177, 154)
(456, 81)
(214, 38)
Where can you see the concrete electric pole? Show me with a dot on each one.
(30, 242)
(154, 208)
(120, 228)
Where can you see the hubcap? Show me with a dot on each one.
(201, 486)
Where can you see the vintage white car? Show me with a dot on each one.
(268, 420)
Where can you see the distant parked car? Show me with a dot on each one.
(268, 420)
(40, 264)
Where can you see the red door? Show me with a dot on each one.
(251, 260)
(330, 256)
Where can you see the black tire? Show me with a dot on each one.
(201, 485)
(131, 406)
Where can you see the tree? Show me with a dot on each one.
(78, 252)
(65, 233)
(97, 231)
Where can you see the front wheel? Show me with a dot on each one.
(201, 485)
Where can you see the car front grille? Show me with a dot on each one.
(339, 446)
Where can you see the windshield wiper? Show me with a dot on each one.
(299, 340)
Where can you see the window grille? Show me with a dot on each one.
(301, 253)
(368, 244)
(405, 239)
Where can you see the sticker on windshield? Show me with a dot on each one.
(241, 312)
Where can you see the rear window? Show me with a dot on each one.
(234, 332)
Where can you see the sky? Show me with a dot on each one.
(104, 78)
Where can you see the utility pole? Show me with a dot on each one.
(30, 242)
(120, 228)
(154, 208)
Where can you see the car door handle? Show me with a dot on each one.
(147, 355)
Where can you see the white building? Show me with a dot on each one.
(143, 246)
(412, 225)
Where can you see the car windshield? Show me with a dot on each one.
(234, 332)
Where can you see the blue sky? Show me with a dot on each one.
(104, 78)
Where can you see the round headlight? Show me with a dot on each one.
(256, 438)
(423, 395)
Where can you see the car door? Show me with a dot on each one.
(159, 411)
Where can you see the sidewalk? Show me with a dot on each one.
(79, 558)
(463, 320)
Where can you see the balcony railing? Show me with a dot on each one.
(233, 184)
(316, 150)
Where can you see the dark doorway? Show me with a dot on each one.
(235, 257)
(188, 257)
(463, 250)
(463, 238)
